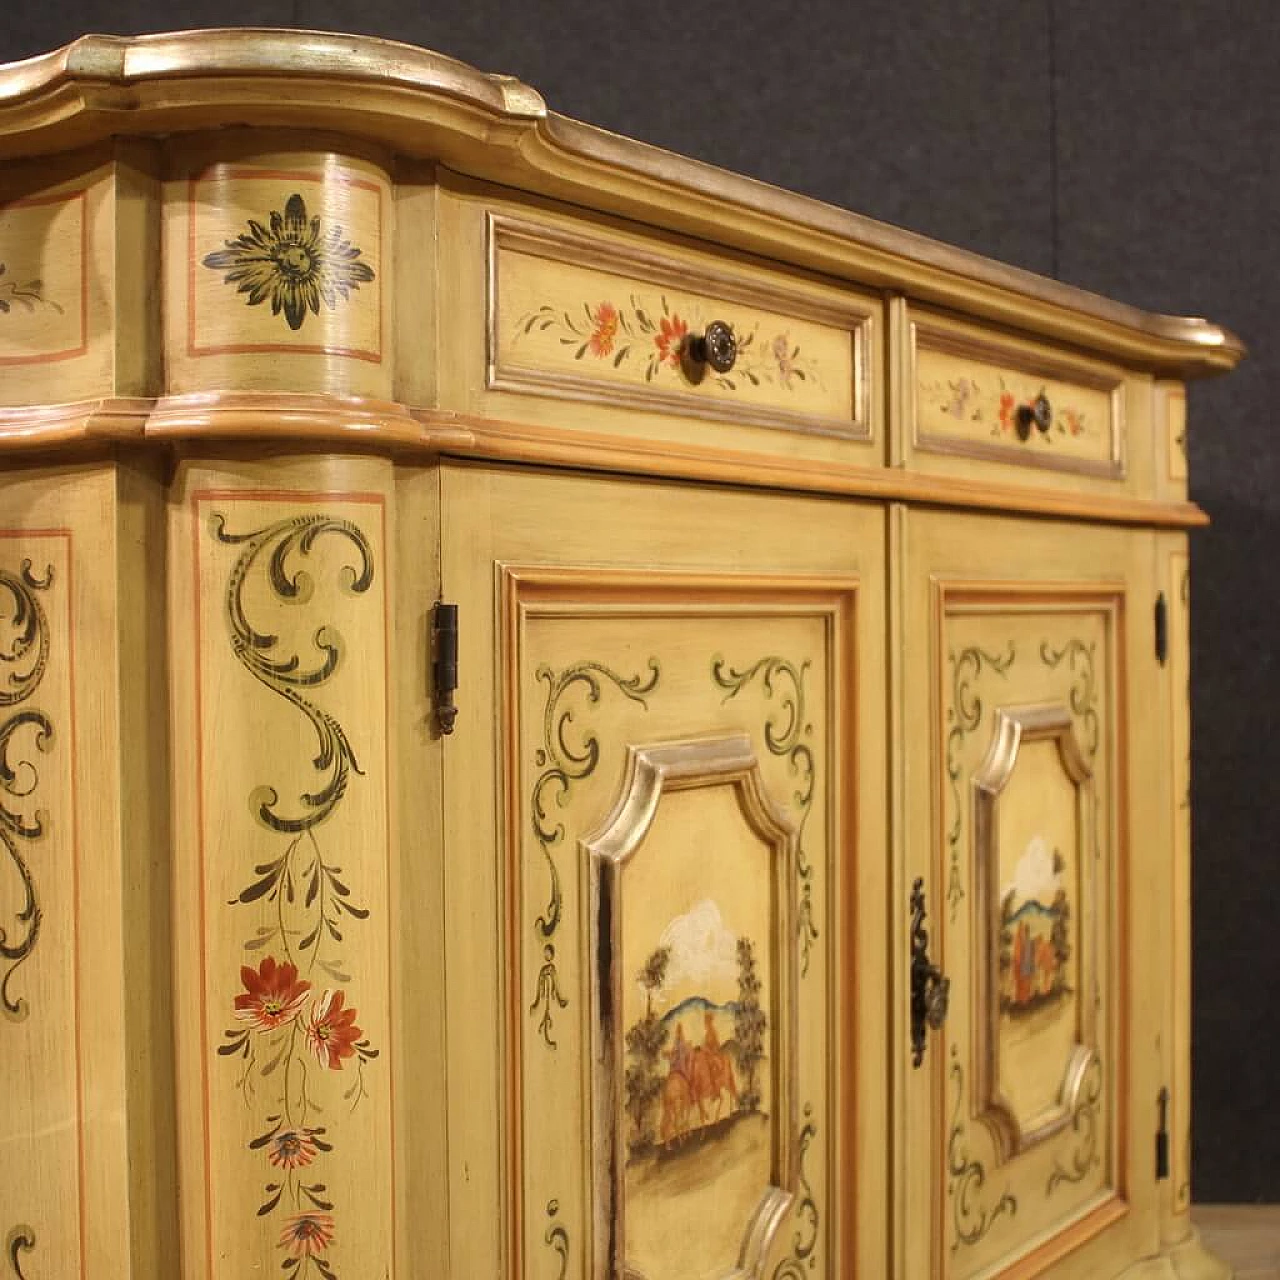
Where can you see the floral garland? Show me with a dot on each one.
(287, 1025)
(636, 332)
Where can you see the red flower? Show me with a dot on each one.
(293, 1149)
(606, 329)
(1075, 421)
(273, 995)
(670, 340)
(306, 1235)
(1006, 411)
(332, 1032)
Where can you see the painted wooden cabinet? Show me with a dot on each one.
(564, 715)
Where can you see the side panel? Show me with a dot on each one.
(1027, 799)
(280, 604)
(683, 864)
(87, 1183)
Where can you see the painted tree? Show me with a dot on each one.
(748, 1026)
(645, 1040)
(1060, 934)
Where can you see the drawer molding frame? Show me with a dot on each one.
(990, 351)
(555, 244)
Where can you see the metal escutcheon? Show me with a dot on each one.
(930, 988)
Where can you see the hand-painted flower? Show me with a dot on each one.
(332, 1031)
(1075, 421)
(1006, 410)
(293, 1148)
(782, 354)
(306, 1235)
(670, 340)
(292, 263)
(273, 995)
(605, 320)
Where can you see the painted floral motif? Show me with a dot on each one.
(653, 339)
(964, 399)
(28, 296)
(293, 263)
(290, 1024)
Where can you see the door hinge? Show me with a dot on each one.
(1162, 629)
(1162, 1137)
(444, 641)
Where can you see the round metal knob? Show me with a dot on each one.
(1038, 414)
(717, 347)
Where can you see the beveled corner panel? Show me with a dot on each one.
(1033, 798)
(975, 394)
(278, 267)
(280, 605)
(677, 929)
(725, 1078)
(583, 317)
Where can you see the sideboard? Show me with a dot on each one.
(566, 714)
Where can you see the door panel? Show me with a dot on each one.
(1021, 820)
(685, 878)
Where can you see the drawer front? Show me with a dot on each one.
(584, 318)
(980, 396)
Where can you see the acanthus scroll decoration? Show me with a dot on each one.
(786, 734)
(26, 656)
(561, 763)
(286, 1013)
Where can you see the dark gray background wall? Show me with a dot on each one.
(1123, 145)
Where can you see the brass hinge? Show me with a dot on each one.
(1162, 1137)
(1162, 629)
(444, 639)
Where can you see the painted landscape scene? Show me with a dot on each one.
(696, 1093)
(1035, 933)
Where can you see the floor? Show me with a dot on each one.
(1247, 1236)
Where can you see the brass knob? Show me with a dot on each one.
(717, 347)
(1038, 414)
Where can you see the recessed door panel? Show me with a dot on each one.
(678, 875)
(1023, 1112)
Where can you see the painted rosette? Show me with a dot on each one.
(276, 274)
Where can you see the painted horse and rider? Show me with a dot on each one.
(699, 1077)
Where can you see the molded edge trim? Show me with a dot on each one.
(100, 85)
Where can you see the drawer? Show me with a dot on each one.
(577, 315)
(969, 393)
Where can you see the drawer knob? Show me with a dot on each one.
(716, 348)
(1038, 414)
(930, 989)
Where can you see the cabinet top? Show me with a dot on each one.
(494, 127)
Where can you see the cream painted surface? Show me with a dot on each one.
(782, 666)
(57, 290)
(587, 573)
(563, 314)
(960, 390)
(1051, 620)
(827, 403)
(280, 598)
(278, 267)
(88, 1178)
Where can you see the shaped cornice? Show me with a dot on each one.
(422, 104)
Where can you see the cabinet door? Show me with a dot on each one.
(1030, 791)
(664, 867)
